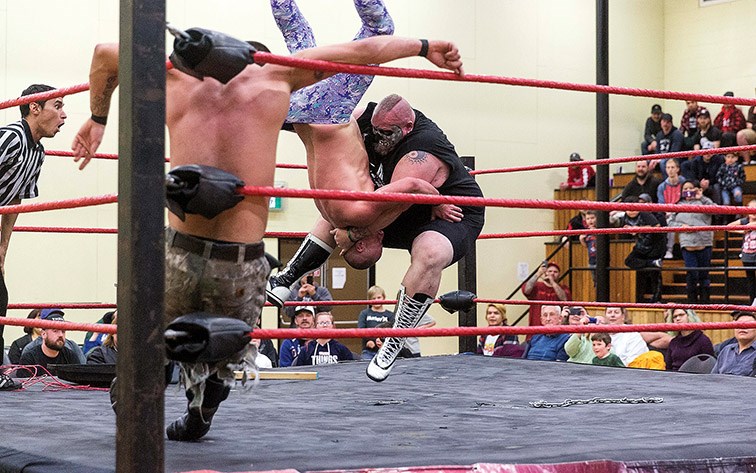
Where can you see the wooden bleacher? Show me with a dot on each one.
(623, 283)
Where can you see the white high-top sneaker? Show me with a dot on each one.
(408, 314)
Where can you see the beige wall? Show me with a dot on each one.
(500, 125)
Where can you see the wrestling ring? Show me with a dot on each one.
(447, 414)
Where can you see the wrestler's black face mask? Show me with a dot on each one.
(384, 141)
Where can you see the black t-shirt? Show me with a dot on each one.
(706, 139)
(649, 187)
(35, 356)
(425, 136)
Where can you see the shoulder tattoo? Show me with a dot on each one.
(417, 157)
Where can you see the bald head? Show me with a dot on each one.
(393, 118)
(366, 252)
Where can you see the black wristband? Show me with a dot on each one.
(423, 48)
(349, 234)
(99, 120)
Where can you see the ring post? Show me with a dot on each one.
(602, 148)
(467, 281)
(141, 254)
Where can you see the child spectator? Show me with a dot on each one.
(748, 252)
(496, 316)
(602, 344)
(696, 246)
(371, 317)
(730, 179)
(669, 192)
(579, 177)
(589, 241)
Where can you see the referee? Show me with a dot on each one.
(21, 158)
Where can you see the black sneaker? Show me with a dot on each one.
(189, 427)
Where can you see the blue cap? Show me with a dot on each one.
(51, 314)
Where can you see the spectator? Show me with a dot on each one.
(686, 343)
(94, 339)
(21, 158)
(647, 253)
(548, 347)
(32, 333)
(642, 183)
(323, 351)
(261, 360)
(544, 286)
(738, 358)
(748, 251)
(578, 347)
(730, 180)
(705, 167)
(689, 123)
(653, 126)
(669, 192)
(730, 119)
(371, 317)
(266, 348)
(307, 289)
(53, 348)
(496, 316)
(696, 246)
(602, 344)
(626, 345)
(669, 140)
(304, 318)
(589, 241)
(747, 136)
(579, 177)
(576, 223)
(107, 351)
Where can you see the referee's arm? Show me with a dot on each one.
(7, 221)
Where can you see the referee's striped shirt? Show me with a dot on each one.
(20, 162)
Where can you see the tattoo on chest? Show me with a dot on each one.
(417, 157)
(319, 75)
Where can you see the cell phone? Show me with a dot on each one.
(575, 311)
(544, 263)
(592, 320)
(309, 279)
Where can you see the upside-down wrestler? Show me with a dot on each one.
(224, 113)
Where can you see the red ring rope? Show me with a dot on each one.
(333, 194)
(60, 204)
(628, 159)
(312, 64)
(62, 305)
(283, 333)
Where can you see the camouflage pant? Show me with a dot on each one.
(194, 283)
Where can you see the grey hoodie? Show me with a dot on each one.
(693, 220)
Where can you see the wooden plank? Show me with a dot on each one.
(286, 375)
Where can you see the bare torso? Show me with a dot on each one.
(337, 159)
(233, 127)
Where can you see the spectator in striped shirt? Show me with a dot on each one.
(21, 158)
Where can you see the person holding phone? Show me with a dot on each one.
(696, 247)
(544, 286)
(307, 289)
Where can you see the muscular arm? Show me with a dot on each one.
(7, 221)
(103, 80)
(374, 50)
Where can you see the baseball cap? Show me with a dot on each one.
(645, 197)
(51, 314)
(741, 313)
(301, 308)
(729, 93)
(551, 263)
(703, 112)
(656, 108)
(575, 157)
(667, 116)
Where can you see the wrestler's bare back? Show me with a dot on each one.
(233, 127)
(337, 159)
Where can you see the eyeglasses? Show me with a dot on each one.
(324, 324)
